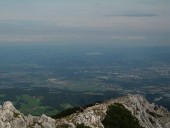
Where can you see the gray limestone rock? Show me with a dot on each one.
(149, 115)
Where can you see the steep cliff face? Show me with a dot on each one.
(149, 115)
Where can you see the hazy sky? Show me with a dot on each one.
(113, 21)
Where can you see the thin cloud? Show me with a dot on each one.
(128, 38)
(94, 53)
(134, 15)
(34, 38)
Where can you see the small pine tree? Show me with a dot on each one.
(117, 116)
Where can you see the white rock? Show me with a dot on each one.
(167, 125)
(2, 125)
(8, 105)
(8, 125)
(37, 126)
(92, 116)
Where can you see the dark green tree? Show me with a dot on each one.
(117, 116)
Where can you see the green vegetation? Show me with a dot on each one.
(32, 105)
(40, 100)
(119, 117)
(81, 126)
(2, 95)
(70, 111)
(66, 112)
(66, 105)
(72, 76)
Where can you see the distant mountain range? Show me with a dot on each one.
(130, 108)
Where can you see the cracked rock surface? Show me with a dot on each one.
(149, 115)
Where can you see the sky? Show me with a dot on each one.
(136, 22)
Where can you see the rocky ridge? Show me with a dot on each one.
(149, 115)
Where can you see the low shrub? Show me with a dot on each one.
(117, 116)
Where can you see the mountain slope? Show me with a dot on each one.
(149, 115)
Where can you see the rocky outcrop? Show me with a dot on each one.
(149, 115)
(12, 118)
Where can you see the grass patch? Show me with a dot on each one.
(32, 105)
